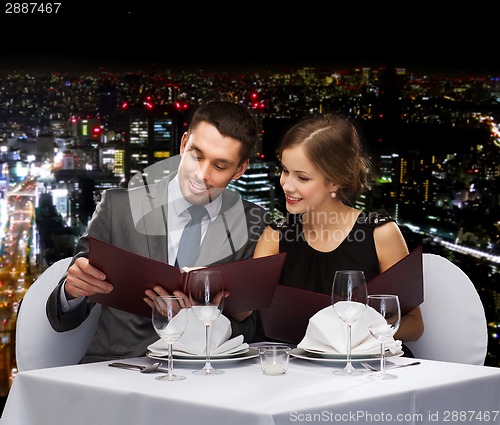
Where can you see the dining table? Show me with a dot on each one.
(433, 392)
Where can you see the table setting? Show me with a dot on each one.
(204, 333)
(325, 339)
(347, 331)
(264, 382)
(190, 347)
(324, 342)
(353, 329)
(245, 395)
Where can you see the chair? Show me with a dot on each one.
(454, 318)
(38, 345)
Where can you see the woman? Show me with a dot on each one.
(323, 166)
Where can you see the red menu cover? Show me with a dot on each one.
(404, 279)
(251, 283)
(287, 317)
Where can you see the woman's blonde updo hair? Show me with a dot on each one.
(332, 143)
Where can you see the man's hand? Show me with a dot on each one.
(83, 279)
(151, 294)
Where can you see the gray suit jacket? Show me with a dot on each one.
(136, 221)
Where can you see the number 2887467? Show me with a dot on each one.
(32, 8)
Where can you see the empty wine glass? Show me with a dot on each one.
(349, 302)
(388, 307)
(169, 317)
(206, 295)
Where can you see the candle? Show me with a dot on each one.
(273, 369)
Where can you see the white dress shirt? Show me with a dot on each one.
(179, 216)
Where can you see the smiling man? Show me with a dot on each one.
(149, 219)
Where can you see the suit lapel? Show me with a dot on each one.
(227, 233)
(154, 221)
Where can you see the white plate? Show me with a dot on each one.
(181, 355)
(308, 355)
(249, 353)
(343, 356)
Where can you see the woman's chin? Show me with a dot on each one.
(294, 208)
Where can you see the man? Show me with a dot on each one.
(149, 219)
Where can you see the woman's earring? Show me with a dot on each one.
(333, 194)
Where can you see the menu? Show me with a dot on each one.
(404, 279)
(250, 283)
(287, 317)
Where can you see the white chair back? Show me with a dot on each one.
(455, 322)
(38, 345)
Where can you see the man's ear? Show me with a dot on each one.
(184, 141)
(241, 170)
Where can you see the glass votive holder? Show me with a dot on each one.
(274, 359)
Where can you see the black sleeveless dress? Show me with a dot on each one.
(312, 270)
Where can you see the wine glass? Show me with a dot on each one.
(349, 302)
(388, 307)
(169, 317)
(206, 295)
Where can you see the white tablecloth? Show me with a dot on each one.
(433, 392)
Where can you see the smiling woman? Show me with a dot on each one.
(325, 168)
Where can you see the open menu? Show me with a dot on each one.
(404, 279)
(250, 283)
(287, 317)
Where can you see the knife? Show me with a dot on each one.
(143, 369)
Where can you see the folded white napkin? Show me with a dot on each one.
(192, 341)
(327, 333)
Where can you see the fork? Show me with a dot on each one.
(396, 366)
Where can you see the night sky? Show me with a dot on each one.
(247, 36)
